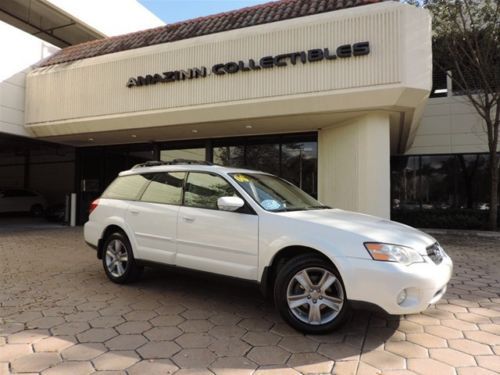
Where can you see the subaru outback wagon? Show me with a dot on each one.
(316, 261)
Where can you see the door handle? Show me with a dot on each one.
(188, 219)
(135, 212)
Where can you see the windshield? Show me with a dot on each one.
(275, 194)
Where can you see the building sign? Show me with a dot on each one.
(266, 62)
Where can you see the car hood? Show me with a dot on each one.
(371, 228)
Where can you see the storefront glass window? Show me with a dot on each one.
(229, 156)
(405, 183)
(263, 157)
(186, 153)
(298, 165)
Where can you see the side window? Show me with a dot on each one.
(203, 190)
(165, 188)
(127, 187)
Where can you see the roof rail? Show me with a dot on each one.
(155, 163)
(189, 161)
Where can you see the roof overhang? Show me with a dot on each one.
(47, 22)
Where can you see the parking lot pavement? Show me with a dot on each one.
(60, 315)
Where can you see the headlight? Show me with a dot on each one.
(393, 253)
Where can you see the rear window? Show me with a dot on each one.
(127, 187)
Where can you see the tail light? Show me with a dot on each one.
(93, 206)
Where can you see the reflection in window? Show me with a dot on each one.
(299, 162)
(186, 153)
(126, 187)
(165, 188)
(203, 190)
(264, 157)
(233, 156)
(405, 183)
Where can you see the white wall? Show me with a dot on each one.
(449, 125)
(111, 17)
(354, 165)
(20, 51)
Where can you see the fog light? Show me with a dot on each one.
(402, 296)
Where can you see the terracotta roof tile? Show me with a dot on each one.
(256, 15)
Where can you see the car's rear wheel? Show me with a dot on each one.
(118, 260)
(310, 295)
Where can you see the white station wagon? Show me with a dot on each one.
(316, 261)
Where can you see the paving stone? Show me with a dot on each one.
(227, 331)
(483, 337)
(166, 320)
(70, 329)
(128, 328)
(70, 367)
(83, 352)
(261, 338)
(251, 324)
(197, 314)
(384, 360)
(116, 360)
(199, 325)
(163, 333)
(233, 366)
(126, 342)
(229, 347)
(469, 347)
(29, 336)
(10, 352)
(428, 366)
(310, 363)
(83, 316)
(46, 322)
(35, 362)
(490, 362)
(225, 319)
(452, 357)
(153, 367)
(444, 332)
(54, 343)
(300, 344)
(346, 368)
(268, 355)
(159, 349)
(96, 335)
(194, 358)
(140, 315)
(340, 352)
(276, 370)
(106, 321)
(426, 340)
(407, 349)
(194, 340)
(170, 310)
(475, 371)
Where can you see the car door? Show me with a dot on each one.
(153, 217)
(213, 240)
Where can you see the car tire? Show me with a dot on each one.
(36, 210)
(314, 304)
(118, 259)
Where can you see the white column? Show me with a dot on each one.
(354, 165)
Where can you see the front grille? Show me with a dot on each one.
(435, 252)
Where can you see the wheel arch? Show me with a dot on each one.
(280, 258)
(111, 228)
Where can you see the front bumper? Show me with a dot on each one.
(380, 283)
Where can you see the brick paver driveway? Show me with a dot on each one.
(59, 314)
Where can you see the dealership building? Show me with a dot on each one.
(331, 95)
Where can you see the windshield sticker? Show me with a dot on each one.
(241, 178)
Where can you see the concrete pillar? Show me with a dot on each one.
(354, 165)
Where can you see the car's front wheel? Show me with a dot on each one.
(310, 295)
(118, 259)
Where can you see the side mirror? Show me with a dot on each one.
(230, 203)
